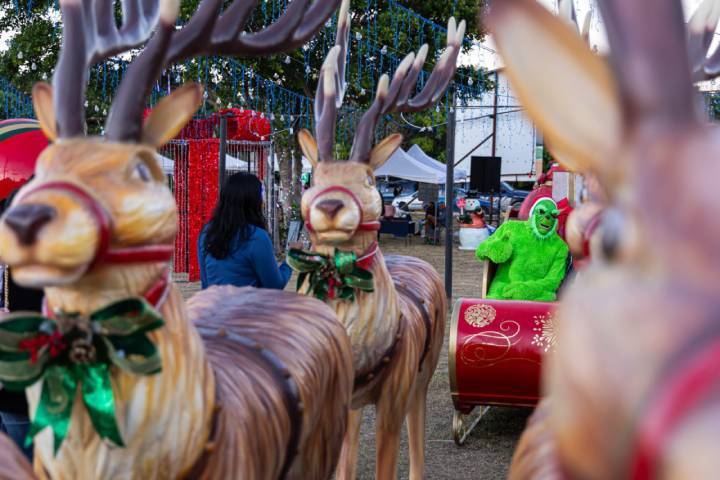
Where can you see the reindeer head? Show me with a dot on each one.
(343, 198)
(645, 314)
(104, 200)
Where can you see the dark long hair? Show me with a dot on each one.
(238, 209)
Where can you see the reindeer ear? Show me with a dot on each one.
(384, 150)
(171, 114)
(42, 98)
(309, 147)
(568, 91)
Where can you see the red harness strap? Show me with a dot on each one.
(103, 253)
(373, 225)
(365, 261)
(677, 396)
(103, 222)
(589, 230)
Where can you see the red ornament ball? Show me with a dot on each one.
(21, 141)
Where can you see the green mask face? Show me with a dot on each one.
(544, 218)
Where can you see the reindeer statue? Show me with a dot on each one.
(584, 224)
(393, 309)
(632, 390)
(241, 383)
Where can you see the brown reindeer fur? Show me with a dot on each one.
(374, 318)
(649, 303)
(535, 456)
(166, 420)
(252, 426)
(251, 405)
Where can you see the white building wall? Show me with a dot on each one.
(515, 133)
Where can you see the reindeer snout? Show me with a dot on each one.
(26, 221)
(330, 207)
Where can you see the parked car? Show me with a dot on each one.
(507, 191)
(387, 189)
(414, 204)
(516, 194)
(411, 201)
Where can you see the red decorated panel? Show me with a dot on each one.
(496, 349)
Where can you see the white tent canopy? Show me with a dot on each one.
(418, 154)
(231, 163)
(402, 165)
(414, 165)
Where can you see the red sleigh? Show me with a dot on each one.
(495, 353)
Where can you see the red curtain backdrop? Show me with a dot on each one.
(180, 188)
(200, 194)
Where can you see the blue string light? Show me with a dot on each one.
(407, 28)
(16, 104)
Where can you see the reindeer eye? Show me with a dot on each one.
(618, 239)
(142, 172)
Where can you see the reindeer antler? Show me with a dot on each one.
(650, 59)
(207, 33)
(395, 96)
(331, 86)
(90, 34)
(701, 30)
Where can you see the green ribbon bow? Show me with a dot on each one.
(74, 351)
(336, 277)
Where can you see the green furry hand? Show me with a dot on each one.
(497, 248)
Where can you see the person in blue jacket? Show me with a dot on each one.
(234, 248)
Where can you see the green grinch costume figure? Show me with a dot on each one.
(530, 255)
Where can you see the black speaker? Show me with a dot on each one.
(485, 174)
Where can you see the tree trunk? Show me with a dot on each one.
(296, 192)
(285, 167)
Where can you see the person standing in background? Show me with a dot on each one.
(14, 420)
(234, 248)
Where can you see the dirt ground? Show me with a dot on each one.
(487, 452)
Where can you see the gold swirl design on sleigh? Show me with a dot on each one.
(489, 348)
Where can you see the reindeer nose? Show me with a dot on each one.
(27, 220)
(330, 207)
